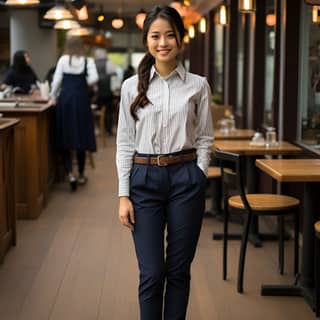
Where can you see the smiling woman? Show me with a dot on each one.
(163, 149)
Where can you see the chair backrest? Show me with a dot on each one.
(232, 174)
(218, 112)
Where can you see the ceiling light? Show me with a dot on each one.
(66, 24)
(21, 2)
(78, 32)
(82, 14)
(191, 32)
(315, 14)
(247, 6)
(203, 25)
(223, 15)
(141, 15)
(100, 16)
(117, 23)
(271, 19)
(58, 12)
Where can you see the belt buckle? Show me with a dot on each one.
(159, 163)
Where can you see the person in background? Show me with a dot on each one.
(20, 76)
(74, 120)
(106, 69)
(163, 150)
(129, 72)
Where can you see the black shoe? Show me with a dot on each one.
(73, 183)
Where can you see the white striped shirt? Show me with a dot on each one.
(177, 118)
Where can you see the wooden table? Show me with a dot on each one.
(34, 157)
(244, 147)
(237, 134)
(251, 153)
(7, 212)
(306, 171)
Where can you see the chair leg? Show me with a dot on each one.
(317, 278)
(296, 242)
(281, 243)
(225, 239)
(243, 250)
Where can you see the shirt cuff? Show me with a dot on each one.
(124, 188)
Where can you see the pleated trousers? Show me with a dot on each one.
(169, 205)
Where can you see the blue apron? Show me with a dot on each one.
(74, 119)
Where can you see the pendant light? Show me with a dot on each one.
(66, 24)
(203, 25)
(141, 15)
(316, 14)
(78, 32)
(118, 22)
(100, 16)
(82, 13)
(58, 12)
(191, 32)
(21, 2)
(222, 15)
(247, 6)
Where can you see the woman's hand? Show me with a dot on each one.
(126, 213)
(52, 102)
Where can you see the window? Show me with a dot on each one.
(309, 93)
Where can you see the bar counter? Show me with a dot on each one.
(7, 213)
(33, 151)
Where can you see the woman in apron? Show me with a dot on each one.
(73, 76)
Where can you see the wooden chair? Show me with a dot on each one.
(317, 269)
(232, 174)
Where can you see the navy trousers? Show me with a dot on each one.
(170, 199)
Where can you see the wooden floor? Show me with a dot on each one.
(75, 262)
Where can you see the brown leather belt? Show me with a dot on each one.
(165, 160)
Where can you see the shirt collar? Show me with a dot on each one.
(179, 70)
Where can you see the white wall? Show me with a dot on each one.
(25, 34)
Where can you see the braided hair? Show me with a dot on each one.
(175, 20)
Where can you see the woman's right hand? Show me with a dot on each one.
(126, 213)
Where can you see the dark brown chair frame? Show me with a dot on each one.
(232, 175)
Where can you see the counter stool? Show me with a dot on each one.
(317, 268)
(214, 177)
(232, 175)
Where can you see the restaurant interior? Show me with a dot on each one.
(64, 255)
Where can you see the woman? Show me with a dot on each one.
(20, 76)
(74, 122)
(163, 149)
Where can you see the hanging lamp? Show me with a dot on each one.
(141, 15)
(21, 2)
(58, 12)
(247, 6)
(222, 16)
(66, 24)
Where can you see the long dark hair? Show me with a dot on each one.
(20, 64)
(175, 20)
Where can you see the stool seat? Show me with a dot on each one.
(317, 228)
(265, 202)
(214, 172)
